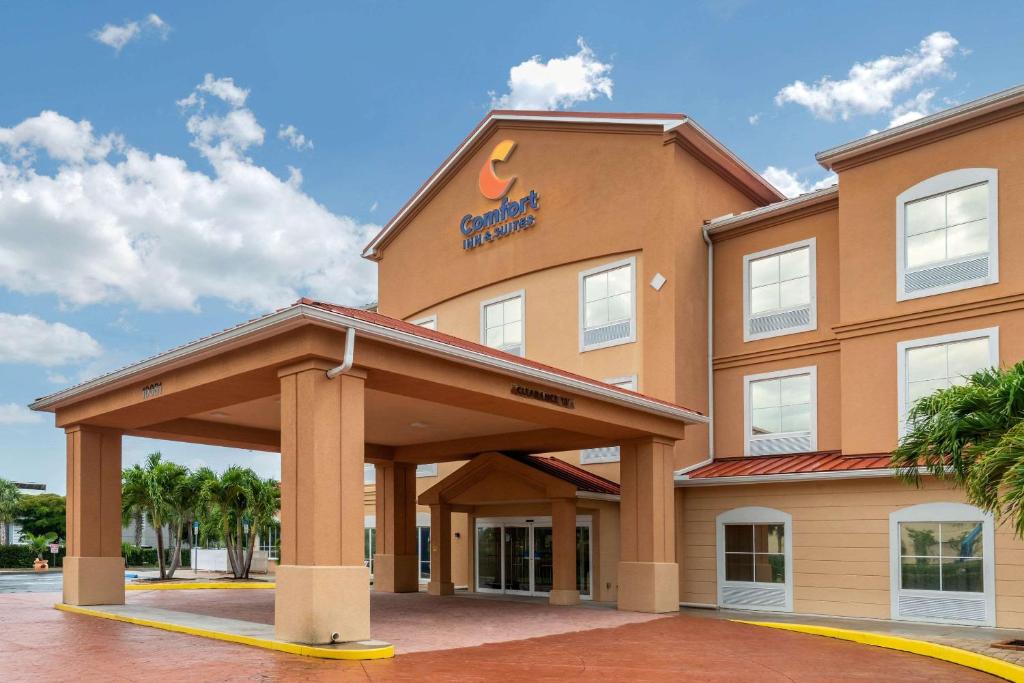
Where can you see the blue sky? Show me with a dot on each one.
(154, 204)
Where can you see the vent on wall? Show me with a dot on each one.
(606, 454)
(947, 274)
(754, 597)
(608, 333)
(778, 445)
(779, 322)
(949, 609)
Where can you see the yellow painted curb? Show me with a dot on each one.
(384, 652)
(955, 655)
(252, 585)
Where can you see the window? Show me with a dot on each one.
(369, 474)
(947, 233)
(590, 456)
(423, 551)
(608, 305)
(780, 412)
(926, 365)
(429, 322)
(501, 323)
(755, 555)
(426, 470)
(779, 291)
(942, 568)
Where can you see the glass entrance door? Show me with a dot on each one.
(517, 556)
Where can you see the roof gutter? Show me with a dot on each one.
(346, 362)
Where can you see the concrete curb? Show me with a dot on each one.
(198, 586)
(954, 655)
(381, 652)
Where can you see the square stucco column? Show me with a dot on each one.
(648, 572)
(93, 567)
(396, 565)
(563, 540)
(323, 587)
(440, 551)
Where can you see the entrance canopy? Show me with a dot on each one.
(330, 388)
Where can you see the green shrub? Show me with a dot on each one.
(22, 556)
(137, 556)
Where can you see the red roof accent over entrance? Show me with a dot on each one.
(581, 478)
(796, 463)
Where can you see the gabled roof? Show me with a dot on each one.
(577, 476)
(789, 467)
(774, 211)
(694, 137)
(376, 326)
(1009, 100)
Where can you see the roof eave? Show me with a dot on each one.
(772, 211)
(782, 478)
(837, 155)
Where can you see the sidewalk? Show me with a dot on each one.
(971, 638)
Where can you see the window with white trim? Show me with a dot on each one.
(941, 564)
(927, 365)
(502, 325)
(426, 470)
(591, 456)
(369, 474)
(780, 412)
(779, 291)
(947, 233)
(429, 322)
(608, 305)
(755, 557)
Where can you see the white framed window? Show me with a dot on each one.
(779, 291)
(947, 233)
(369, 474)
(608, 305)
(429, 470)
(926, 365)
(503, 323)
(755, 559)
(430, 322)
(942, 564)
(780, 411)
(591, 456)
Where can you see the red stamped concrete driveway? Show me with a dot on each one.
(40, 643)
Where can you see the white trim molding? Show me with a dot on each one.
(518, 294)
(429, 322)
(953, 274)
(783, 442)
(925, 605)
(990, 333)
(634, 294)
(784, 320)
(753, 595)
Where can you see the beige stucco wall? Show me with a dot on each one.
(840, 543)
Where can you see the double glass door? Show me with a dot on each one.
(517, 557)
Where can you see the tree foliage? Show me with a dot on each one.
(245, 505)
(973, 436)
(42, 514)
(9, 497)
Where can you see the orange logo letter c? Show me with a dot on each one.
(491, 185)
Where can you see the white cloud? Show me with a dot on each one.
(14, 414)
(791, 185)
(28, 339)
(873, 87)
(119, 35)
(754, 119)
(99, 222)
(559, 83)
(374, 207)
(294, 138)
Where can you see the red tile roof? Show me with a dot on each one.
(420, 331)
(584, 480)
(795, 463)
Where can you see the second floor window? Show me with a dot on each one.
(781, 412)
(948, 233)
(501, 324)
(779, 296)
(607, 305)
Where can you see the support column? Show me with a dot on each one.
(93, 567)
(441, 551)
(563, 539)
(396, 564)
(323, 587)
(648, 572)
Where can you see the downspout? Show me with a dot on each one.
(711, 351)
(346, 362)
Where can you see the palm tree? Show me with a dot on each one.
(245, 504)
(142, 493)
(9, 497)
(972, 435)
